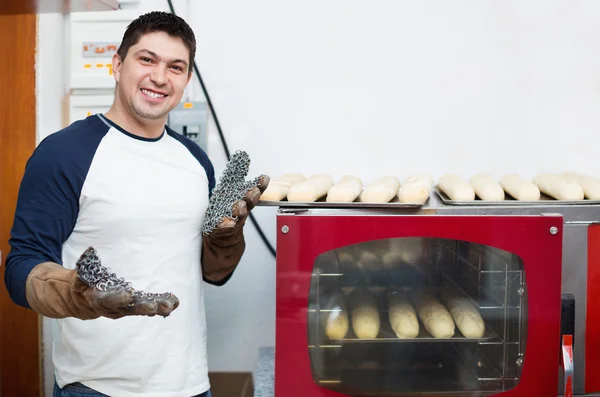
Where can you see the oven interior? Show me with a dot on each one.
(354, 349)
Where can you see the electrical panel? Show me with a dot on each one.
(82, 106)
(94, 39)
(191, 120)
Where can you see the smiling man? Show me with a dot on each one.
(124, 191)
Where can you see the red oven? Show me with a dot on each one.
(383, 303)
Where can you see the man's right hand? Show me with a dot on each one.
(57, 292)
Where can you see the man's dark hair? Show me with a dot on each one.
(158, 21)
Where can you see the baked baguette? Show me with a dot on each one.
(465, 314)
(520, 188)
(382, 190)
(486, 187)
(310, 190)
(456, 187)
(415, 189)
(559, 187)
(337, 324)
(435, 317)
(402, 315)
(346, 190)
(590, 185)
(366, 321)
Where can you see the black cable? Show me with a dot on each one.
(223, 141)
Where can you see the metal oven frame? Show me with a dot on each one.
(335, 227)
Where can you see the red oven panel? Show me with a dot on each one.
(308, 236)
(592, 329)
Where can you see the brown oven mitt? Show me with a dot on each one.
(223, 247)
(57, 292)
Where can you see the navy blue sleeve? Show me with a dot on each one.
(48, 201)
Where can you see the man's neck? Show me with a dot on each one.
(146, 129)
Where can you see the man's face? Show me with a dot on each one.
(153, 76)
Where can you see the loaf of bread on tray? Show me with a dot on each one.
(465, 314)
(590, 185)
(311, 190)
(559, 187)
(456, 188)
(346, 190)
(382, 190)
(415, 189)
(401, 314)
(486, 187)
(278, 187)
(435, 317)
(520, 188)
(337, 323)
(366, 321)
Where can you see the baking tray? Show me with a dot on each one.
(509, 201)
(321, 203)
(387, 335)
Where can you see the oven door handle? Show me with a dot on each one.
(567, 336)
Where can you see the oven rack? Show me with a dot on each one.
(485, 375)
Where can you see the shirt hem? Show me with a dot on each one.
(102, 388)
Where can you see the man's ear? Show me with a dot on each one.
(116, 66)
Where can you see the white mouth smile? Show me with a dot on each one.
(153, 94)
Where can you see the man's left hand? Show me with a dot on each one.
(224, 246)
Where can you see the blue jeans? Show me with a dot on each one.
(79, 390)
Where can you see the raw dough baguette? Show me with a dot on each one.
(415, 189)
(590, 185)
(346, 190)
(345, 256)
(434, 316)
(278, 187)
(348, 259)
(402, 315)
(465, 314)
(486, 187)
(519, 188)
(456, 188)
(337, 325)
(559, 187)
(404, 251)
(365, 315)
(310, 190)
(382, 190)
(368, 259)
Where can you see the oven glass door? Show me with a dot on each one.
(441, 312)
(416, 315)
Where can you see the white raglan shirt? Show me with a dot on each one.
(140, 203)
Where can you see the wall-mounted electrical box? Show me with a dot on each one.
(94, 39)
(82, 106)
(191, 120)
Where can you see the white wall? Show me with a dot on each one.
(373, 88)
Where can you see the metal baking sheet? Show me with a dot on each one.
(387, 335)
(509, 201)
(321, 203)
